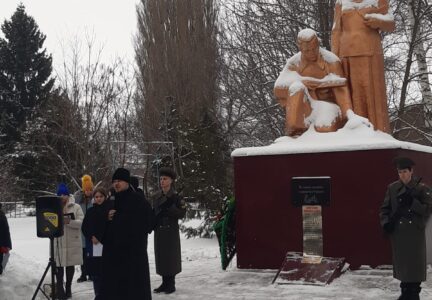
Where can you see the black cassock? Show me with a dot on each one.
(125, 267)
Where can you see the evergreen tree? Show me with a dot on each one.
(25, 70)
(25, 87)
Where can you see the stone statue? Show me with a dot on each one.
(356, 40)
(312, 89)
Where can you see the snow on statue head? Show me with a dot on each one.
(313, 90)
(309, 44)
(306, 35)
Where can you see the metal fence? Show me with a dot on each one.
(19, 209)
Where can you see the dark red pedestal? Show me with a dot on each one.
(268, 225)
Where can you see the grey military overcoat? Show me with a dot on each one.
(408, 238)
(168, 209)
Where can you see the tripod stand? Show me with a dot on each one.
(52, 265)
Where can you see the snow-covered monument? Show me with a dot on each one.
(337, 154)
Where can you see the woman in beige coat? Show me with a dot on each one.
(68, 248)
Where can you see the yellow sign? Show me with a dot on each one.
(52, 218)
(46, 229)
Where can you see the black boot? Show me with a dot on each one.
(59, 289)
(68, 291)
(170, 286)
(403, 295)
(60, 292)
(69, 276)
(161, 288)
(413, 292)
(83, 276)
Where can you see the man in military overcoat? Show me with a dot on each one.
(168, 207)
(404, 213)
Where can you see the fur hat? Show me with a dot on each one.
(403, 163)
(167, 172)
(121, 174)
(86, 183)
(62, 190)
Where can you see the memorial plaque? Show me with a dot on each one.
(312, 232)
(310, 190)
(294, 270)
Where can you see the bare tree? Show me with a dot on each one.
(178, 61)
(90, 108)
(258, 37)
(409, 70)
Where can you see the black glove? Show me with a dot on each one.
(389, 227)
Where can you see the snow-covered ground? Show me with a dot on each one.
(202, 277)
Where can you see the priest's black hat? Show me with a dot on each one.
(403, 163)
(121, 174)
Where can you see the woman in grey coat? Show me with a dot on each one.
(404, 214)
(168, 207)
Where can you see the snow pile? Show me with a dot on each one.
(323, 114)
(362, 137)
(387, 17)
(306, 34)
(20, 278)
(287, 77)
(201, 278)
(328, 56)
(350, 4)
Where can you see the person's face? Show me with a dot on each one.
(64, 199)
(165, 182)
(310, 50)
(405, 175)
(88, 193)
(120, 185)
(99, 198)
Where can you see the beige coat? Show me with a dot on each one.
(68, 248)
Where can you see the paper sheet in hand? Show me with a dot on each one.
(97, 250)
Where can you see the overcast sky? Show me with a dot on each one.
(113, 23)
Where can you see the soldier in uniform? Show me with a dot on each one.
(403, 215)
(168, 207)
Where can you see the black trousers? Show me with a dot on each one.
(83, 266)
(70, 271)
(1, 263)
(97, 282)
(168, 281)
